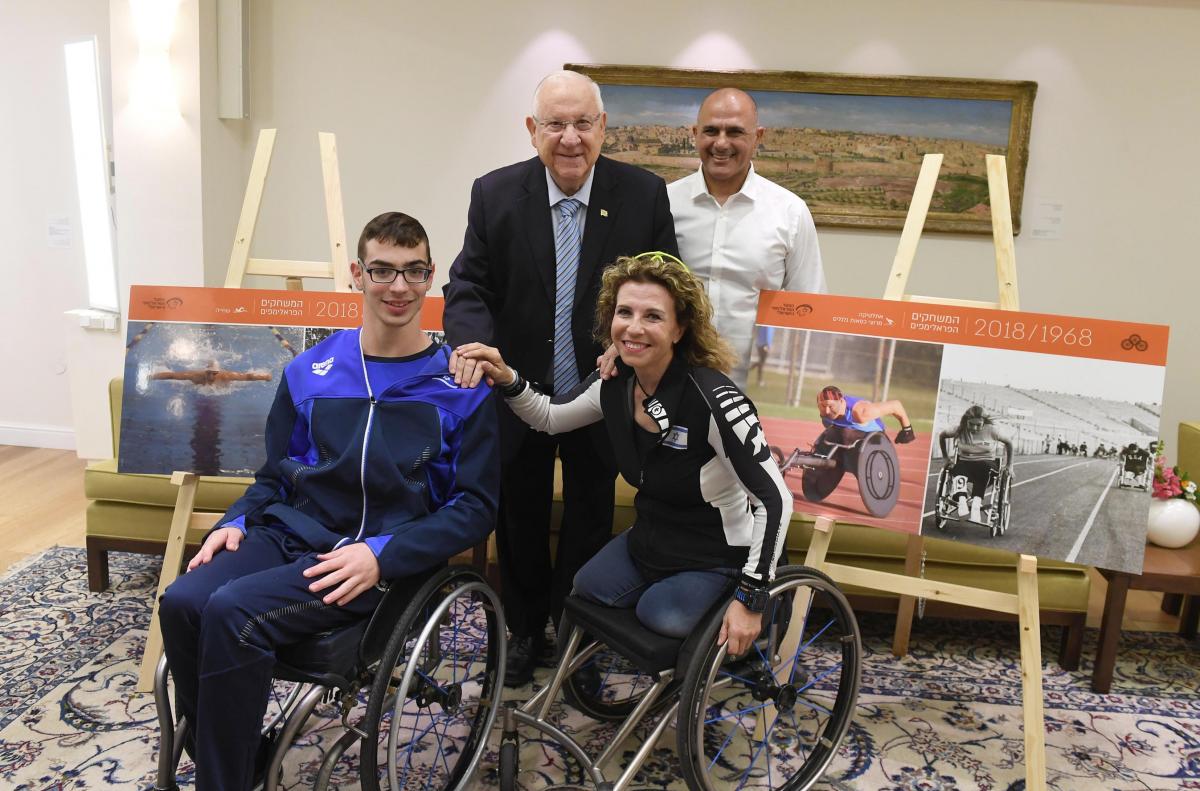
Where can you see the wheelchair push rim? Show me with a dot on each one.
(435, 694)
(774, 719)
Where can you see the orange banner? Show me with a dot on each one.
(259, 306)
(1046, 333)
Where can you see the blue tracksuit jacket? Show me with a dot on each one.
(412, 470)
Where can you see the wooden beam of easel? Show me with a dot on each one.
(293, 272)
(182, 520)
(911, 584)
(334, 219)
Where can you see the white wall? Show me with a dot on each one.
(425, 97)
(37, 183)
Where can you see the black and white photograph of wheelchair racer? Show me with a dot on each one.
(1043, 454)
(848, 419)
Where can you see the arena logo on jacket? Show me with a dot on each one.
(741, 418)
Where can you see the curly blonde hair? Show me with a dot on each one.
(700, 344)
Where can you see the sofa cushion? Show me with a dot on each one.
(101, 481)
(115, 520)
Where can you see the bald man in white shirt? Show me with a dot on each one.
(739, 232)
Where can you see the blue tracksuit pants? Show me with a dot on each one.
(221, 623)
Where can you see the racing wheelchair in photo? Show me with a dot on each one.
(996, 508)
(869, 456)
(770, 719)
(429, 663)
(1136, 472)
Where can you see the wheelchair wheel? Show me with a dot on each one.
(1005, 498)
(436, 691)
(819, 484)
(608, 687)
(773, 719)
(878, 473)
(939, 498)
(777, 455)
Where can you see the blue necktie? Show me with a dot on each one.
(566, 252)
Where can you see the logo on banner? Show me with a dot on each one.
(1134, 341)
(161, 303)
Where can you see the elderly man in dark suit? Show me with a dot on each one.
(539, 234)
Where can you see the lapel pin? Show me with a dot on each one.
(604, 212)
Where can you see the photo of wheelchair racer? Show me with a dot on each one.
(1018, 463)
(849, 421)
(979, 466)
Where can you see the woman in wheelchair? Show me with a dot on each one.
(697, 570)
(712, 506)
(976, 441)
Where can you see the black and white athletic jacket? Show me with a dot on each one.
(709, 493)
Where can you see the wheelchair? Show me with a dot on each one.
(996, 509)
(770, 719)
(1135, 473)
(869, 456)
(431, 662)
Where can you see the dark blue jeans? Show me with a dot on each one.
(672, 606)
(221, 624)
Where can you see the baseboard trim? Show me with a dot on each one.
(37, 437)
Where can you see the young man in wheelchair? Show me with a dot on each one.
(846, 417)
(377, 468)
(974, 460)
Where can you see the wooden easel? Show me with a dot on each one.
(240, 265)
(1023, 604)
(240, 262)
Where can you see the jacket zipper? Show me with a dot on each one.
(362, 468)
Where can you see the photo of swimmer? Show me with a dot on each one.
(196, 396)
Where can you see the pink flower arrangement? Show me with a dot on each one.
(1170, 482)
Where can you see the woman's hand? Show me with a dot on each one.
(739, 628)
(490, 362)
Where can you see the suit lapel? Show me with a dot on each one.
(603, 206)
(535, 211)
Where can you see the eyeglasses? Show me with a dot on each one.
(581, 125)
(387, 274)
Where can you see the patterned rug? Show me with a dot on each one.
(945, 717)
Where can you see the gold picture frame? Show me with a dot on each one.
(849, 144)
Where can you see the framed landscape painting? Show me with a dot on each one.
(849, 145)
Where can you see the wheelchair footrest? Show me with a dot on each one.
(620, 628)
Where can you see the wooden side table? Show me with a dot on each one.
(1164, 570)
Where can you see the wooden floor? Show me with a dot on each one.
(41, 501)
(42, 505)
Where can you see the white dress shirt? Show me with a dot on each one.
(762, 238)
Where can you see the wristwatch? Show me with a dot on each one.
(753, 599)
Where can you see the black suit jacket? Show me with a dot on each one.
(502, 283)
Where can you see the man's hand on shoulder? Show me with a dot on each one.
(226, 538)
(607, 362)
(352, 568)
(467, 373)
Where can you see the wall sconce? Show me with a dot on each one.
(153, 86)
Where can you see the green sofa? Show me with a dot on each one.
(132, 513)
